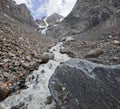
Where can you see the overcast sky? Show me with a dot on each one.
(40, 8)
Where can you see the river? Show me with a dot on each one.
(34, 97)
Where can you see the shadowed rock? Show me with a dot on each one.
(81, 84)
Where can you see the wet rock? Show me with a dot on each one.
(27, 79)
(20, 106)
(94, 53)
(49, 100)
(43, 71)
(116, 59)
(95, 60)
(4, 91)
(14, 107)
(69, 53)
(11, 54)
(46, 57)
(81, 84)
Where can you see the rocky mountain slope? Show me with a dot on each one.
(90, 20)
(49, 22)
(54, 19)
(17, 12)
(94, 27)
(21, 47)
(94, 24)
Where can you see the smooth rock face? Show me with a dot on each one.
(81, 84)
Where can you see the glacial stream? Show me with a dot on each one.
(34, 97)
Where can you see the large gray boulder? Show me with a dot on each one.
(81, 84)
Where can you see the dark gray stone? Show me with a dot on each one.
(81, 84)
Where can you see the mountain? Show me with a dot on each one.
(46, 23)
(90, 19)
(17, 12)
(92, 80)
(41, 22)
(21, 46)
(95, 27)
(54, 18)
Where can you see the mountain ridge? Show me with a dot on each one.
(18, 12)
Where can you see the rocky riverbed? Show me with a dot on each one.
(37, 94)
(21, 52)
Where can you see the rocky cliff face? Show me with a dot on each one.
(89, 19)
(46, 23)
(17, 12)
(54, 18)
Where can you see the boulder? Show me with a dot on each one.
(4, 91)
(81, 84)
(94, 53)
(46, 57)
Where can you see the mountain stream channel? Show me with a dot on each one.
(34, 97)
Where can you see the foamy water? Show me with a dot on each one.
(34, 97)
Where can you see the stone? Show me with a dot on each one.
(43, 71)
(46, 57)
(14, 107)
(4, 91)
(81, 84)
(116, 42)
(69, 53)
(116, 59)
(94, 53)
(49, 100)
(28, 58)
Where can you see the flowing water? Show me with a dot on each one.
(34, 97)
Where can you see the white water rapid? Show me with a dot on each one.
(34, 97)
